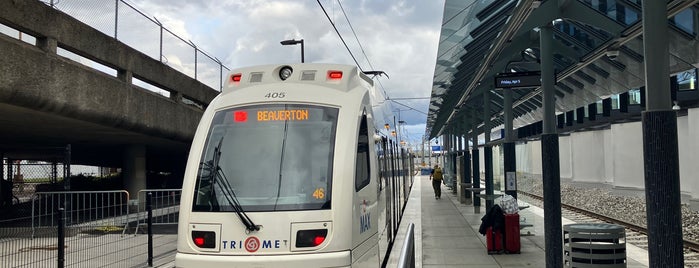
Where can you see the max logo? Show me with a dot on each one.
(364, 219)
(364, 222)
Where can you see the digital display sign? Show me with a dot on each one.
(518, 80)
(283, 115)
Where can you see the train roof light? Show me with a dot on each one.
(236, 77)
(334, 75)
(285, 72)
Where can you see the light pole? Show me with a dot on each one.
(400, 138)
(294, 42)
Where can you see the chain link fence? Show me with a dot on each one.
(124, 22)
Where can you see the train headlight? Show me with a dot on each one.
(285, 72)
(204, 239)
(310, 238)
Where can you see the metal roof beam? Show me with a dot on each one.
(575, 10)
(520, 14)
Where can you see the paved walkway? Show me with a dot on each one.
(446, 234)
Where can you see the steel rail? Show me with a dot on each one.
(692, 245)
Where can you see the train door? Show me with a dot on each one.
(387, 186)
(365, 205)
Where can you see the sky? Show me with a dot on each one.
(397, 37)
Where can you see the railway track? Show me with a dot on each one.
(635, 234)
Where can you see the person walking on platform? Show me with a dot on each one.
(436, 177)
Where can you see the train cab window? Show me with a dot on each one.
(272, 157)
(362, 175)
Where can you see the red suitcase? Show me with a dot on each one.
(512, 243)
(494, 241)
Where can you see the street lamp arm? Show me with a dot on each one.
(294, 42)
(291, 42)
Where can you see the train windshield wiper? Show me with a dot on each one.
(220, 179)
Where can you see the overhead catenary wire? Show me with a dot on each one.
(340, 35)
(407, 106)
(355, 34)
(386, 96)
(358, 42)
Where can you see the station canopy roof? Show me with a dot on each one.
(481, 39)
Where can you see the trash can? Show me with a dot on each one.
(594, 245)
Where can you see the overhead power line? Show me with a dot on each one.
(338, 34)
(411, 108)
(365, 55)
(355, 34)
(356, 38)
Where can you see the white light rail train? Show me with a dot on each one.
(293, 166)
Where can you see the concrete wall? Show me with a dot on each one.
(608, 159)
(564, 156)
(588, 161)
(38, 79)
(524, 157)
(537, 165)
(683, 137)
(528, 156)
(689, 154)
(615, 155)
(627, 152)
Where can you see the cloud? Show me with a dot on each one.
(399, 37)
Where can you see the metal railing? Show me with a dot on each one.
(165, 205)
(92, 209)
(89, 229)
(407, 254)
(129, 25)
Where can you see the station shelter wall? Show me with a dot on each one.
(612, 155)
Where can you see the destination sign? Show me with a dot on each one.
(518, 80)
(283, 115)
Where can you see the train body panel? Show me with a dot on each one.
(297, 159)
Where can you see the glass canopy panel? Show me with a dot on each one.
(623, 11)
(685, 21)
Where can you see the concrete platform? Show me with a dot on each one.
(446, 234)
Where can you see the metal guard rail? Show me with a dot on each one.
(407, 254)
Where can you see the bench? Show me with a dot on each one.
(489, 196)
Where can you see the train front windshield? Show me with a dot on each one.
(272, 157)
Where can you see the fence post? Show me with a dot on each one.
(195, 60)
(161, 40)
(61, 237)
(66, 168)
(150, 229)
(116, 18)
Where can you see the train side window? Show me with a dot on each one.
(362, 175)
